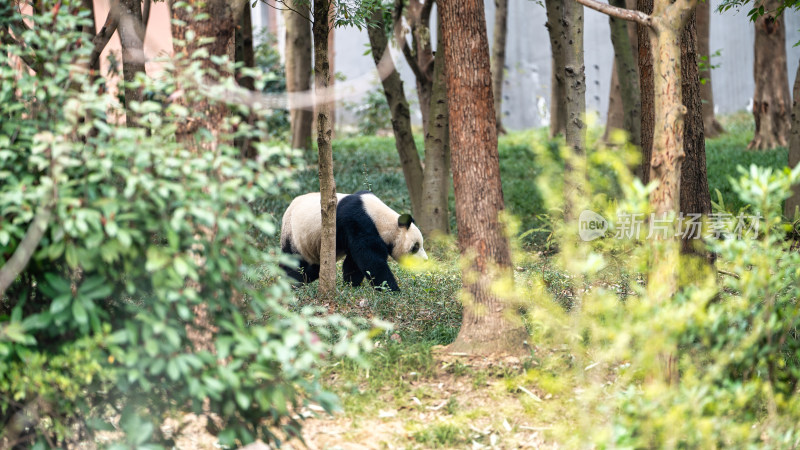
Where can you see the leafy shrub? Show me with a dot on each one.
(372, 112)
(134, 305)
(713, 362)
(268, 60)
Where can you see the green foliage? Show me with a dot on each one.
(135, 304)
(372, 112)
(731, 341)
(268, 61)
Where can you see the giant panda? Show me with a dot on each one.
(367, 232)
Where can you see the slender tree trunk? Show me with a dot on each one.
(332, 65)
(401, 117)
(298, 72)
(131, 36)
(436, 181)
(558, 89)
(419, 54)
(486, 327)
(711, 126)
(624, 106)
(695, 195)
(771, 101)
(793, 202)
(245, 54)
(327, 184)
(499, 59)
(575, 78)
(244, 47)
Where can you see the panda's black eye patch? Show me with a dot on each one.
(415, 248)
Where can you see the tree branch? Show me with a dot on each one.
(23, 253)
(104, 35)
(412, 61)
(146, 13)
(620, 13)
(425, 13)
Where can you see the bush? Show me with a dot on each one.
(712, 362)
(134, 305)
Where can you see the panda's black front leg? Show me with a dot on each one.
(350, 271)
(377, 269)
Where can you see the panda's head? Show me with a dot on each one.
(408, 239)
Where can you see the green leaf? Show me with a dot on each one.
(243, 400)
(60, 303)
(79, 313)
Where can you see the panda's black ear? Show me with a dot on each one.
(405, 220)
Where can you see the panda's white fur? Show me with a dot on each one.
(301, 230)
(301, 226)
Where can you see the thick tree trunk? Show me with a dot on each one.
(575, 80)
(771, 101)
(215, 33)
(401, 117)
(436, 180)
(793, 202)
(298, 72)
(558, 89)
(327, 184)
(131, 36)
(711, 126)
(695, 182)
(499, 58)
(486, 327)
(624, 105)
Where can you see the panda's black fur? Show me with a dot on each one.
(357, 239)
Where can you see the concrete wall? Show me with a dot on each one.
(526, 93)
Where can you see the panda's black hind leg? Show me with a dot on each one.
(351, 273)
(305, 273)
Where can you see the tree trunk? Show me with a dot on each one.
(131, 36)
(215, 33)
(245, 54)
(711, 126)
(558, 90)
(298, 73)
(327, 184)
(401, 117)
(695, 196)
(244, 47)
(771, 101)
(332, 71)
(793, 202)
(499, 59)
(575, 80)
(419, 54)
(486, 327)
(624, 105)
(436, 180)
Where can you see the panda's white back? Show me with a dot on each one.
(304, 217)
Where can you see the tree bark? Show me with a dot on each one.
(244, 47)
(298, 72)
(401, 116)
(575, 81)
(419, 54)
(694, 192)
(499, 59)
(131, 36)
(771, 101)
(327, 184)
(558, 89)
(332, 70)
(793, 202)
(624, 105)
(711, 126)
(436, 180)
(215, 33)
(486, 327)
